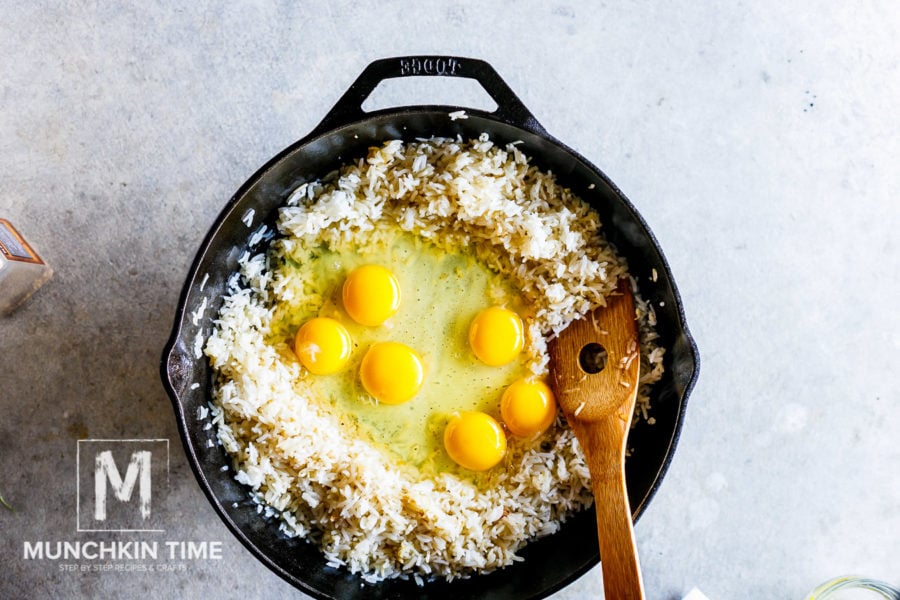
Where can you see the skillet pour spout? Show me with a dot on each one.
(344, 134)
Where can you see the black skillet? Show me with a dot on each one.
(345, 134)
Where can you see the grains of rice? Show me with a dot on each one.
(369, 514)
(198, 345)
(199, 312)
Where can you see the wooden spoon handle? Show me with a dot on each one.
(618, 550)
(598, 401)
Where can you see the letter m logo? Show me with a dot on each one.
(122, 484)
(106, 474)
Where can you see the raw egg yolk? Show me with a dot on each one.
(323, 345)
(496, 336)
(371, 295)
(475, 440)
(391, 372)
(528, 407)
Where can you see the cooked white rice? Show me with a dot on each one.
(365, 511)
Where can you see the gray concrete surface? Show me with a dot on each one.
(759, 140)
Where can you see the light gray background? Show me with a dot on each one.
(759, 140)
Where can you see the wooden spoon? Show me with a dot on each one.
(598, 403)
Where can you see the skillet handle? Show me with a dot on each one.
(509, 108)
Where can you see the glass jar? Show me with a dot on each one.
(853, 587)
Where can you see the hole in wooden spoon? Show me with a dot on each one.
(592, 358)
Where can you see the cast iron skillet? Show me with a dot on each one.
(344, 134)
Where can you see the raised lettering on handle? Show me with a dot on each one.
(432, 65)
